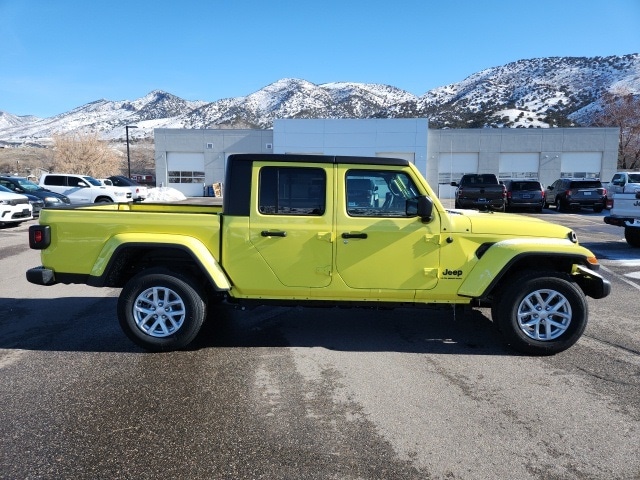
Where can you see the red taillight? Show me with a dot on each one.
(39, 236)
(542, 192)
(568, 193)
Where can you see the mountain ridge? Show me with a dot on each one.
(539, 93)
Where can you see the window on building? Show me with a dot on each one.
(292, 191)
(186, 176)
(378, 193)
(589, 175)
(528, 175)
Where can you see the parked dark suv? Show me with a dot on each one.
(524, 194)
(25, 186)
(569, 193)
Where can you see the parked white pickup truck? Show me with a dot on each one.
(625, 212)
(624, 182)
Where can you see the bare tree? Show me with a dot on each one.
(85, 154)
(142, 155)
(621, 109)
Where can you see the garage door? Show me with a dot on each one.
(581, 164)
(519, 165)
(451, 167)
(186, 172)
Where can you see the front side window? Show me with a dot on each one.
(378, 193)
(292, 191)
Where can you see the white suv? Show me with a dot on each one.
(14, 208)
(82, 188)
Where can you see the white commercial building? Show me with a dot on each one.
(190, 159)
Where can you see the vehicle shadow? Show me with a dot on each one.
(89, 324)
(408, 330)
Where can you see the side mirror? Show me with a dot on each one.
(454, 184)
(421, 206)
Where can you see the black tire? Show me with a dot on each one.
(145, 296)
(559, 318)
(632, 236)
(598, 208)
(560, 206)
(103, 200)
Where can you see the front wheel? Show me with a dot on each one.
(160, 310)
(541, 313)
(632, 236)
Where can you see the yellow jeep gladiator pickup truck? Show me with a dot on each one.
(320, 230)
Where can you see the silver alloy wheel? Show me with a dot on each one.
(159, 312)
(544, 315)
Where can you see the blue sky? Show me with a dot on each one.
(56, 55)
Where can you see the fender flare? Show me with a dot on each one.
(498, 259)
(198, 251)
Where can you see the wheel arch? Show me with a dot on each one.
(122, 259)
(490, 274)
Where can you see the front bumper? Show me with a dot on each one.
(592, 284)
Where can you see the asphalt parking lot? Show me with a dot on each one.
(295, 392)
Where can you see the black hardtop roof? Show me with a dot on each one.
(237, 184)
(277, 157)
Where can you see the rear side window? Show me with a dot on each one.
(292, 191)
(58, 180)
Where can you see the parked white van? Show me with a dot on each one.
(83, 188)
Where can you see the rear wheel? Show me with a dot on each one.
(541, 313)
(632, 236)
(160, 310)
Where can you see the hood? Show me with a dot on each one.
(13, 196)
(499, 224)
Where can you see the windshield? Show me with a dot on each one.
(92, 181)
(27, 185)
(526, 186)
(586, 184)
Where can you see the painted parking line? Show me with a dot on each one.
(623, 278)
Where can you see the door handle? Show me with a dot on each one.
(354, 235)
(267, 233)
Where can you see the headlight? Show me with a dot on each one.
(52, 200)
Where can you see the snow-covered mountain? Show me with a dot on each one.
(543, 92)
